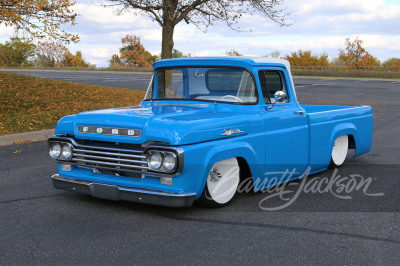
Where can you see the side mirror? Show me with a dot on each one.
(279, 96)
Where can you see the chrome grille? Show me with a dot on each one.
(109, 158)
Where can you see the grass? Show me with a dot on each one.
(30, 103)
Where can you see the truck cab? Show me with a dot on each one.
(205, 125)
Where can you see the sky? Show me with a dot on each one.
(318, 25)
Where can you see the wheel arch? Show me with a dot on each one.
(345, 129)
(244, 154)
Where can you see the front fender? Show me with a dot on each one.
(236, 149)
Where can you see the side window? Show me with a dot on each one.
(170, 84)
(271, 82)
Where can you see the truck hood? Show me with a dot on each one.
(176, 124)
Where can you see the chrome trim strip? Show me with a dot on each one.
(55, 138)
(107, 158)
(190, 104)
(112, 164)
(112, 154)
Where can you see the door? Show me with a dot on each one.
(286, 131)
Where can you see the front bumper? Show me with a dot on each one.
(118, 193)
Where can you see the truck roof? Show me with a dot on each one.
(253, 61)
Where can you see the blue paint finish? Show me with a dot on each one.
(270, 141)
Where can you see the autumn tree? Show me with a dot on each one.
(74, 60)
(17, 53)
(115, 61)
(132, 54)
(306, 58)
(40, 18)
(50, 54)
(233, 52)
(356, 56)
(201, 13)
(394, 63)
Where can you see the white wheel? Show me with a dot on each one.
(339, 151)
(222, 182)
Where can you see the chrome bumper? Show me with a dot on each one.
(117, 193)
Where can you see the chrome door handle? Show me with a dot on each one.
(300, 112)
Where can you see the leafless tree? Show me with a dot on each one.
(201, 13)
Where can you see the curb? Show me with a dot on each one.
(26, 137)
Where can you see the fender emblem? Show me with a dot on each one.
(229, 132)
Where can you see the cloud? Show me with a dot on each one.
(318, 25)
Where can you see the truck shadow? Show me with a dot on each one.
(351, 188)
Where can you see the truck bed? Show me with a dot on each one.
(328, 122)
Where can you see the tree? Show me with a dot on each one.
(132, 54)
(201, 13)
(356, 56)
(306, 58)
(50, 54)
(17, 53)
(115, 61)
(56, 54)
(394, 63)
(76, 60)
(233, 52)
(178, 54)
(275, 54)
(40, 18)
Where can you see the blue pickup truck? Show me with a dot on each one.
(205, 125)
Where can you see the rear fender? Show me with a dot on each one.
(344, 129)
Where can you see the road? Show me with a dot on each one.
(41, 225)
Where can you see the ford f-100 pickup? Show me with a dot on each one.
(205, 125)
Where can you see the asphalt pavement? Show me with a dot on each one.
(41, 225)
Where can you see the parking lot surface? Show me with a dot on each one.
(42, 225)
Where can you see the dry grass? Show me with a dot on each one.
(29, 103)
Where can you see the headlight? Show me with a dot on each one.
(66, 151)
(55, 151)
(162, 161)
(169, 162)
(154, 160)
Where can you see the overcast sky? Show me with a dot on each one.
(317, 25)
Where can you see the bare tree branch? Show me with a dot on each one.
(201, 13)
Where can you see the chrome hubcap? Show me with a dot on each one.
(215, 176)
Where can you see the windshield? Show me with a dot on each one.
(203, 84)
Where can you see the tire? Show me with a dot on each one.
(339, 151)
(222, 183)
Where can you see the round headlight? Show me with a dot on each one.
(66, 152)
(55, 151)
(155, 160)
(169, 162)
